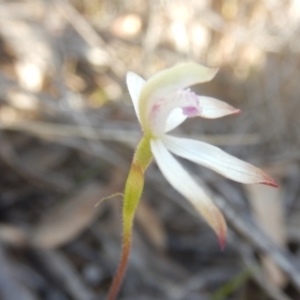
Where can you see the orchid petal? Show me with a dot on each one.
(160, 90)
(181, 181)
(205, 107)
(175, 118)
(217, 160)
(135, 84)
(212, 108)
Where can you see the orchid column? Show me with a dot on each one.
(161, 104)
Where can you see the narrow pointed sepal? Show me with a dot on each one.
(216, 159)
(211, 108)
(181, 181)
(135, 84)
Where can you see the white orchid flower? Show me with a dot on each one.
(161, 104)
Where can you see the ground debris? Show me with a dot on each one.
(68, 130)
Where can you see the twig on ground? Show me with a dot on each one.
(260, 241)
(93, 39)
(62, 272)
(258, 274)
(31, 173)
(129, 137)
(9, 287)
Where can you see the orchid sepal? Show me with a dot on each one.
(216, 159)
(181, 181)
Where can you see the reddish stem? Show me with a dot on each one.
(118, 278)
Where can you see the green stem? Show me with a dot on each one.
(133, 190)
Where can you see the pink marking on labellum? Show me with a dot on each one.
(190, 111)
(193, 108)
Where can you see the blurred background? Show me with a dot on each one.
(68, 132)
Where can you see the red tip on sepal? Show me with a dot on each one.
(236, 112)
(222, 233)
(270, 181)
(222, 243)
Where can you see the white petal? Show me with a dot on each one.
(179, 178)
(217, 160)
(191, 105)
(175, 118)
(212, 108)
(135, 84)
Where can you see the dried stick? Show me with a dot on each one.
(260, 241)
